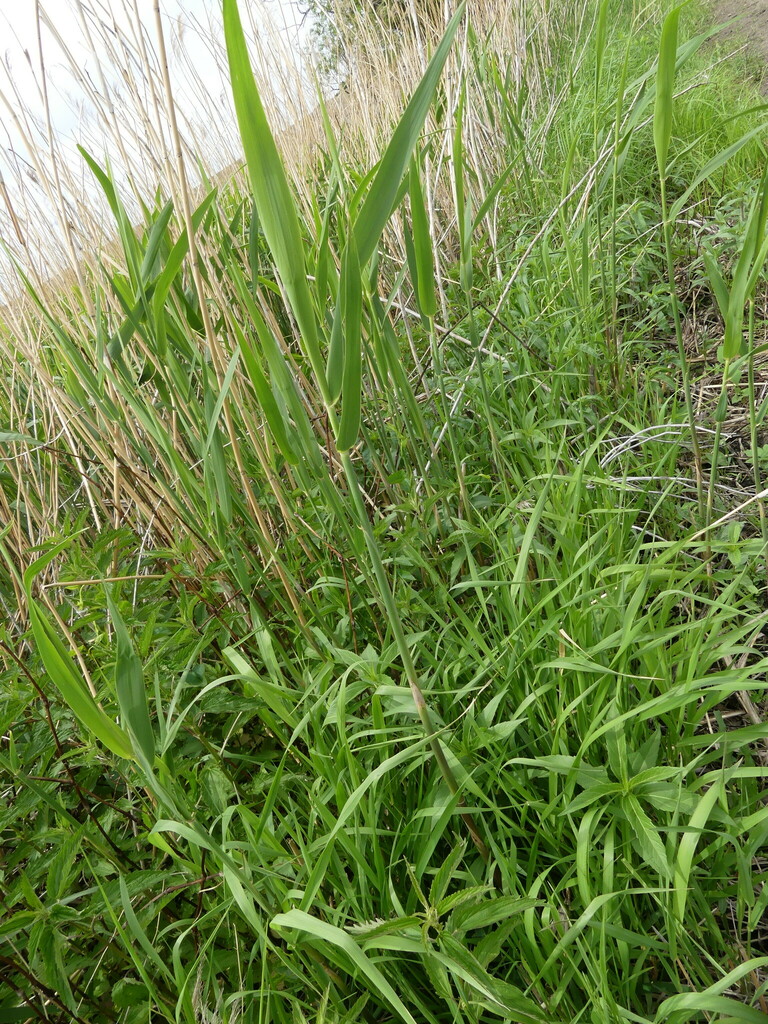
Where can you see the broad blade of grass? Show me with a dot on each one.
(690, 1005)
(338, 341)
(324, 268)
(71, 685)
(686, 849)
(748, 267)
(272, 194)
(329, 934)
(491, 912)
(463, 206)
(716, 280)
(215, 472)
(422, 245)
(265, 397)
(336, 350)
(129, 686)
(155, 240)
(352, 299)
(164, 281)
(62, 672)
(665, 84)
(379, 202)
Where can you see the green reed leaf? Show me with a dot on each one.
(129, 686)
(380, 201)
(665, 84)
(61, 670)
(422, 245)
(272, 194)
(157, 235)
(71, 685)
(352, 299)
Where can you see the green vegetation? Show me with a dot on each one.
(384, 558)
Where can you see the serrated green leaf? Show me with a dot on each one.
(462, 964)
(128, 993)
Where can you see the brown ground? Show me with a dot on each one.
(751, 30)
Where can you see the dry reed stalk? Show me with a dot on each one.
(156, 145)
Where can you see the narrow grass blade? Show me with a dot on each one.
(273, 696)
(139, 934)
(715, 164)
(127, 237)
(329, 934)
(600, 38)
(62, 672)
(688, 843)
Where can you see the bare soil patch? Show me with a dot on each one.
(751, 30)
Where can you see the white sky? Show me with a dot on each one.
(41, 185)
(18, 33)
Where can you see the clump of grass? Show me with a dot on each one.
(409, 680)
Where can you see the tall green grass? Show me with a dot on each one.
(385, 617)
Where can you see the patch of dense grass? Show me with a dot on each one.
(385, 619)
